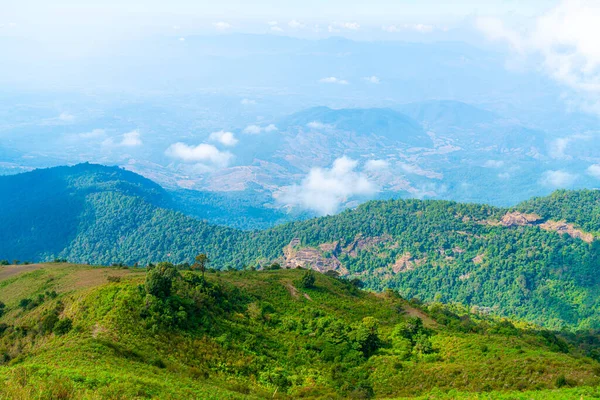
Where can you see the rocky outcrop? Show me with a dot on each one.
(365, 243)
(564, 228)
(406, 262)
(516, 218)
(478, 259)
(519, 219)
(310, 257)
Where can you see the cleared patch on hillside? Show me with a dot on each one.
(9, 271)
(95, 276)
(517, 218)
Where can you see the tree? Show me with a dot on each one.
(2, 308)
(201, 262)
(367, 336)
(159, 280)
(308, 280)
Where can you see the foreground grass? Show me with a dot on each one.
(279, 341)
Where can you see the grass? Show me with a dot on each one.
(275, 341)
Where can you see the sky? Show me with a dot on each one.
(554, 37)
(43, 19)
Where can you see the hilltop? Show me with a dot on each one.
(76, 331)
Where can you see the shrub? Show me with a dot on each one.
(63, 326)
(48, 323)
(308, 280)
(2, 308)
(25, 303)
(159, 280)
(560, 381)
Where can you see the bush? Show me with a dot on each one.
(308, 280)
(63, 326)
(560, 381)
(48, 323)
(273, 267)
(2, 308)
(159, 280)
(25, 303)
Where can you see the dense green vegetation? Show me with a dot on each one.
(165, 332)
(430, 250)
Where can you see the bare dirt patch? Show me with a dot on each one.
(86, 278)
(9, 271)
(413, 312)
(293, 291)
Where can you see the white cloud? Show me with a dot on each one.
(504, 175)
(222, 26)
(182, 39)
(594, 170)
(558, 179)
(333, 79)
(66, 117)
(376, 165)
(324, 190)
(272, 23)
(337, 26)
(129, 139)
(270, 128)
(316, 125)
(353, 26)
(276, 29)
(253, 129)
(409, 169)
(421, 28)
(391, 28)
(248, 102)
(94, 134)
(557, 148)
(204, 155)
(565, 38)
(256, 129)
(372, 79)
(296, 24)
(225, 138)
(494, 164)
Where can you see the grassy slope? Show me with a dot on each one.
(110, 354)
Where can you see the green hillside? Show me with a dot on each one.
(73, 331)
(538, 262)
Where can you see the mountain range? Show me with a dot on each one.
(536, 261)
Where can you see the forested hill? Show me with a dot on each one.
(96, 214)
(538, 261)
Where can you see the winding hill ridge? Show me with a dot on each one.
(543, 270)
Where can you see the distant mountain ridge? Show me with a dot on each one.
(383, 122)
